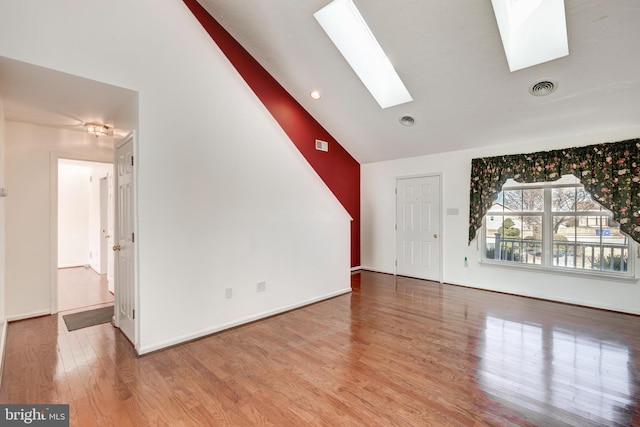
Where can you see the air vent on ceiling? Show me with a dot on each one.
(542, 88)
(407, 121)
(322, 145)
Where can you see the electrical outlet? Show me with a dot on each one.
(261, 286)
(228, 293)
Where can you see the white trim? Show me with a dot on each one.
(357, 268)
(3, 341)
(377, 270)
(28, 315)
(594, 306)
(212, 330)
(561, 271)
(440, 225)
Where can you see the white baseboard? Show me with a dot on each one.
(376, 270)
(212, 330)
(354, 269)
(3, 340)
(28, 315)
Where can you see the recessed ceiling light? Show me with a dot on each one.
(542, 88)
(315, 94)
(407, 121)
(348, 30)
(532, 31)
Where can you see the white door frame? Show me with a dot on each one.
(136, 289)
(440, 239)
(54, 157)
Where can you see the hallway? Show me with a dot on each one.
(82, 288)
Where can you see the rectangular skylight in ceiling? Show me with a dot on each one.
(532, 31)
(348, 30)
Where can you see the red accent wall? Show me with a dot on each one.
(337, 168)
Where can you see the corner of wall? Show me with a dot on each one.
(3, 323)
(3, 339)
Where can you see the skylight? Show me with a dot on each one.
(348, 30)
(532, 31)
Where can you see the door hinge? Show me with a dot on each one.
(131, 160)
(396, 226)
(133, 314)
(396, 263)
(133, 237)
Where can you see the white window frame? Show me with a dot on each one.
(547, 236)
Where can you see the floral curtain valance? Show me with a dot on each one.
(610, 172)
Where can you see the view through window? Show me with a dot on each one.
(554, 224)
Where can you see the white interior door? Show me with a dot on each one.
(418, 227)
(124, 248)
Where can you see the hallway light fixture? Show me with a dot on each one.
(348, 30)
(96, 129)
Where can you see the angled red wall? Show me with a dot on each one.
(337, 168)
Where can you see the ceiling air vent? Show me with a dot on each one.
(543, 88)
(322, 145)
(407, 121)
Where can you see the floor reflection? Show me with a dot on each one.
(530, 368)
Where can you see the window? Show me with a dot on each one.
(554, 225)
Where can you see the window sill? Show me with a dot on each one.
(594, 275)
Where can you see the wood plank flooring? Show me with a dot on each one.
(82, 288)
(395, 352)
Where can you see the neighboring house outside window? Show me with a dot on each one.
(554, 225)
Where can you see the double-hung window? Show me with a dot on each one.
(554, 225)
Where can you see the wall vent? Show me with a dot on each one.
(322, 145)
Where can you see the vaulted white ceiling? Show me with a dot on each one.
(450, 56)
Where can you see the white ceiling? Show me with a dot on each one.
(448, 53)
(451, 59)
(46, 97)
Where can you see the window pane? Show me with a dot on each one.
(584, 202)
(533, 200)
(590, 242)
(512, 200)
(563, 199)
(614, 251)
(532, 239)
(566, 250)
(505, 242)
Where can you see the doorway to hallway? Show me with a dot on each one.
(82, 288)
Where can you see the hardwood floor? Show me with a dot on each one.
(82, 288)
(395, 352)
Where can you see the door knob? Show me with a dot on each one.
(116, 248)
(435, 236)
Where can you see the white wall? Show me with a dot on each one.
(378, 219)
(79, 231)
(29, 151)
(224, 198)
(73, 215)
(3, 324)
